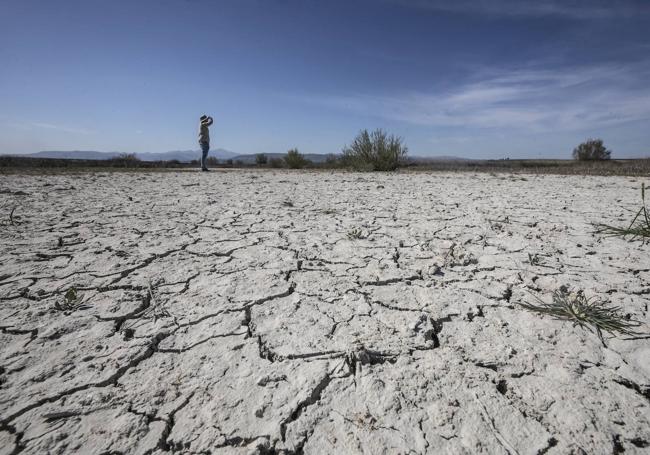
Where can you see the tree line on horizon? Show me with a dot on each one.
(378, 151)
(369, 151)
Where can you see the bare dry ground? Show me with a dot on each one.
(316, 312)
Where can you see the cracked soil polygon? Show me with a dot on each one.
(233, 312)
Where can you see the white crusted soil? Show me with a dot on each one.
(290, 312)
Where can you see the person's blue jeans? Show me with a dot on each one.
(205, 148)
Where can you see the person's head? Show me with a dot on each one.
(206, 120)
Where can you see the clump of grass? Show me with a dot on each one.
(588, 313)
(457, 256)
(11, 216)
(71, 301)
(356, 234)
(534, 259)
(638, 228)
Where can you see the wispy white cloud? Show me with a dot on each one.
(525, 100)
(578, 9)
(50, 126)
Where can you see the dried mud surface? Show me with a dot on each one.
(281, 312)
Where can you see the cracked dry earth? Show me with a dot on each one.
(300, 312)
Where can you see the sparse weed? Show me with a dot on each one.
(71, 296)
(157, 308)
(13, 219)
(154, 309)
(457, 256)
(638, 228)
(534, 259)
(498, 224)
(71, 301)
(587, 313)
(356, 234)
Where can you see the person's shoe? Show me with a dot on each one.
(204, 169)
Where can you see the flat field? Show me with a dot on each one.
(317, 312)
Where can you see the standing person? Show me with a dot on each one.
(204, 139)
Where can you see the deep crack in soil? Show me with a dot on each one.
(311, 312)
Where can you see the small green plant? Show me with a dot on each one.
(638, 228)
(587, 313)
(356, 234)
(71, 301)
(71, 295)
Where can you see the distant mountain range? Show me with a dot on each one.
(180, 155)
(189, 155)
(185, 155)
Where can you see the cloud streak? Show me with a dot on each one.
(524, 100)
(576, 9)
(50, 126)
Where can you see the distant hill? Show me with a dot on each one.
(185, 155)
(73, 155)
(221, 154)
(180, 155)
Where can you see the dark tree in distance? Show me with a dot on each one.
(260, 159)
(591, 150)
(126, 160)
(295, 159)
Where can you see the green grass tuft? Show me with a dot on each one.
(639, 228)
(356, 234)
(72, 301)
(587, 313)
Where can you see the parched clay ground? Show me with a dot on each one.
(290, 312)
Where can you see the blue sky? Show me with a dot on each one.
(478, 79)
